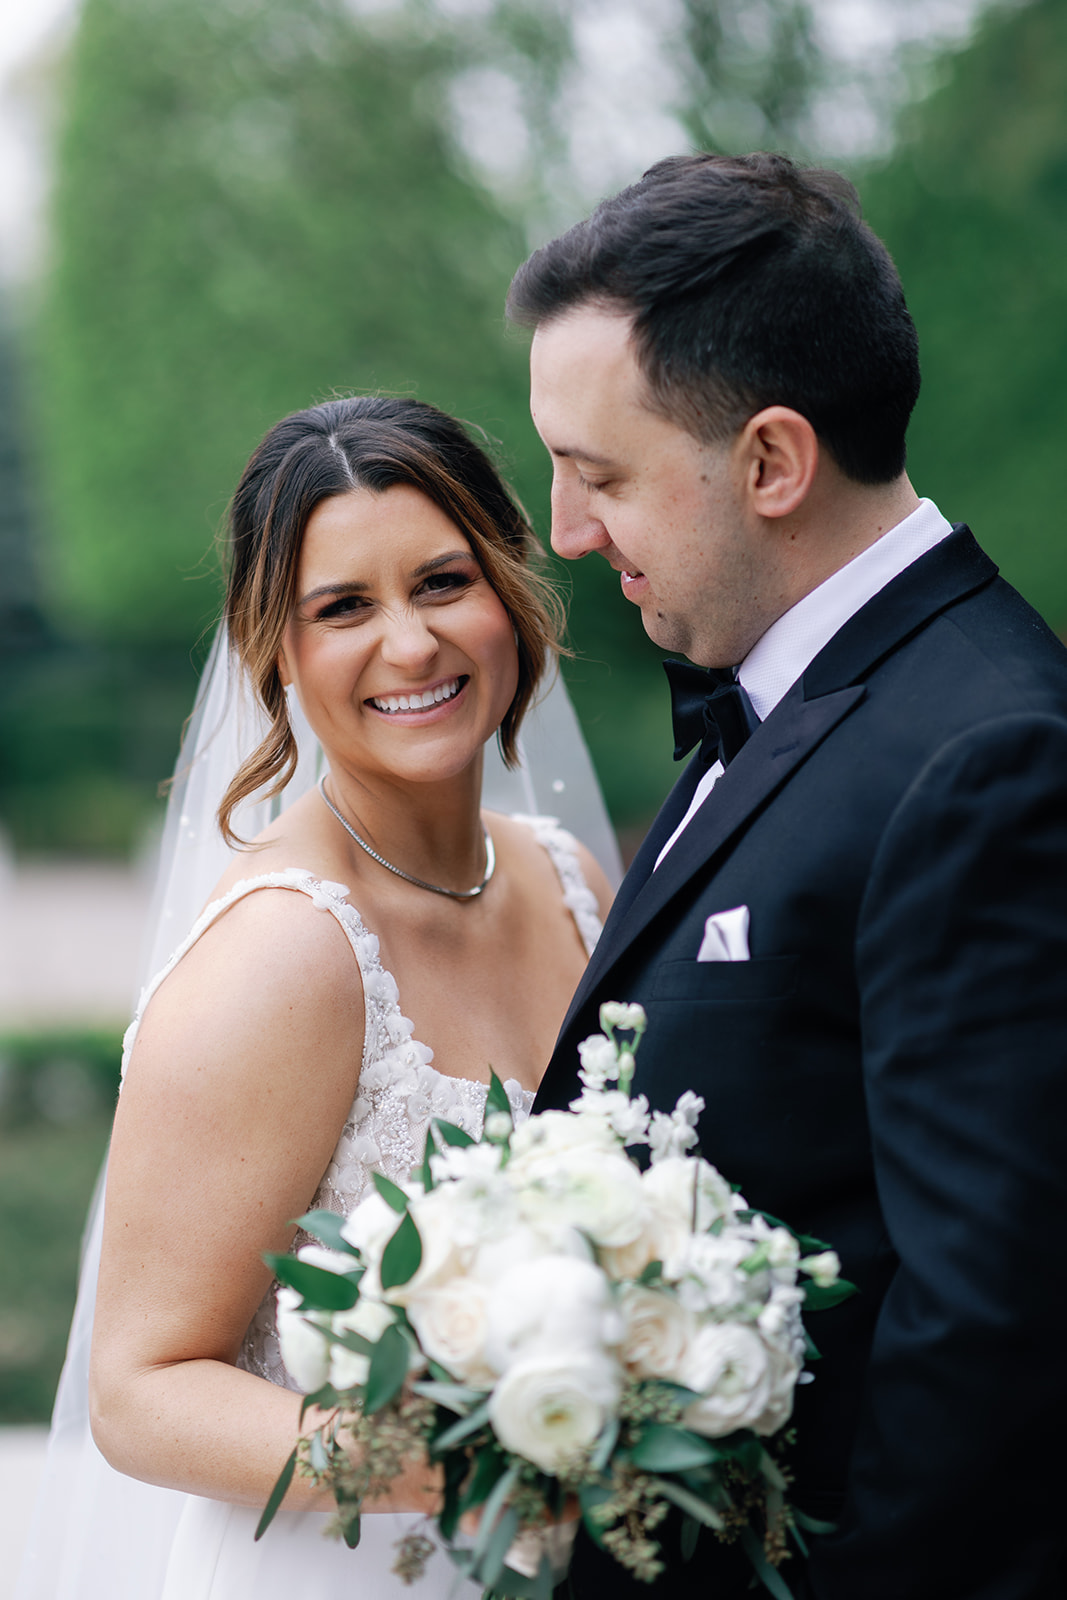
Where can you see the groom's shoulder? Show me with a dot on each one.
(1008, 643)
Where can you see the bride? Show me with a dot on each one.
(360, 969)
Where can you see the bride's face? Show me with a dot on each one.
(402, 655)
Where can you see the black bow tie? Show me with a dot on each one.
(708, 708)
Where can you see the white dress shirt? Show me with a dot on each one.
(791, 644)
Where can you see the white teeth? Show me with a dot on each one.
(416, 702)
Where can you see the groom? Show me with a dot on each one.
(848, 924)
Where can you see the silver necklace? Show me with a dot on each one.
(420, 883)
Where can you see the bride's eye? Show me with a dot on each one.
(345, 606)
(440, 584)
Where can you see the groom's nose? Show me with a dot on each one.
(575, 530)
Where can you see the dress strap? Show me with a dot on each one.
(324, 895)
(562, 850)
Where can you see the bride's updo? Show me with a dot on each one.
(366, 442)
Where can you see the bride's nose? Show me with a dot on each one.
(407, 641)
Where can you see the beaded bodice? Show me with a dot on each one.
(399, 1089)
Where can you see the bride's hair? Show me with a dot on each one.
(368, 442)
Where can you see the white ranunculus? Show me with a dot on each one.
(368, 1317)
(557, 1301)
(658, 1332)
(784, 1367)
(451, 1322)
(597, 1191)
(304, 1350)
(730, 1368)
(551, 1405)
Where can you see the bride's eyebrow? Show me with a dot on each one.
(353, 586)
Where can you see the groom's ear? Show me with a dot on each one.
(781, 456)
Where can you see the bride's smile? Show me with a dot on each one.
(401, 652)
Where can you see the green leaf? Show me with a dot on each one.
(352, 1530)
(663, 1448)
(819, 1297)
(497, 1098)
(317, 1452)
(689, 1535)
(391, 1192)
(453, 1396)
(494, 1506)
(767, 1575)
(501, 1539)
(811, 1349)
(771, 1472)
(801, 1542)
(428, 1149)
(455, 1470)
(388, 1369)
(689, 1502)
(812, 1524)
(402, 1255)
(609, 1438)
(652, 1273)
(489, 1465)
(326, 1227)
(451, 1134)
(810, 1246)
(478, 1418)
(351, 1340)
(277, 1495)
(590, 1496)
(322, 1290)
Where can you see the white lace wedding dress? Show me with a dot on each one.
(192, 1548)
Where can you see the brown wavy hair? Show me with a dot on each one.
(368, 442)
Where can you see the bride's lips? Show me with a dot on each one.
(634, 584)
(412, 707)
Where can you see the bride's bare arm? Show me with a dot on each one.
(243, 1072)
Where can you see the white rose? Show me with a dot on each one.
(557, 1301)
(597, 1191)
(545, 1137)
(730, 1368)
(549, 1406)
(368, 1317)
(658, 1329)
(304, 1350)
(451, 1322)
(370, 1227)
(784, 1368)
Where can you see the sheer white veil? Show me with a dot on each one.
(97, 1535)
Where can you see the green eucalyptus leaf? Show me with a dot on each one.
(451, 1134)
(664, 1448)
(689, 1502)
(770, 1578)
(325, 1226)
(652, 1273)
(391, 1192)
(402, 1255)
(605, 1445)
(478, 1418)
(277, 1495)
(426, 1172)
(812, 1524)
(326, 1398)
(503, 1535)
(352, 1529)
(590, 1496)
(690, 1533)
(453, 1396)
(350, 1340)
(388, 1369)
(489, 1467)
(321, 1290)
(494, 1507)
(317, 1453)
(811, 1349)
(772, 1472)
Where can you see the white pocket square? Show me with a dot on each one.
(725, 936)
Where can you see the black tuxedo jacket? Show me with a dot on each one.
(889, 1072)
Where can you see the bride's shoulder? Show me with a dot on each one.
(533, 838)
(295, 844)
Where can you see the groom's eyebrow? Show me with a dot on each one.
(575, 452)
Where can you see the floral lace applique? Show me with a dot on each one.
(399, 1089)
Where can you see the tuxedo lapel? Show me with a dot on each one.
(786, 739)
(826, 692)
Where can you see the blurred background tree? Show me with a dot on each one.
(258, 202)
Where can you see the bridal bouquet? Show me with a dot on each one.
(565, 1333)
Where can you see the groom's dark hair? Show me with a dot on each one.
(751, 282)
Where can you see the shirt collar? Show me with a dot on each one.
(791, 644)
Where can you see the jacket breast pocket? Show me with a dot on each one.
(725, 982)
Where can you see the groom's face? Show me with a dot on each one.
(667, 512)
